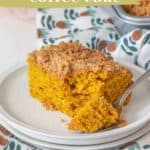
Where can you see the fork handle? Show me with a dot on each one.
(123, 97)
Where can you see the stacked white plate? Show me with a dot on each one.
(26, 118)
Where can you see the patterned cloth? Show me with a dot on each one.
(10, 142)
(86, 26)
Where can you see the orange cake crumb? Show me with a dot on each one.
(142, 9)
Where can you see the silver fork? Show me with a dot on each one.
(120, 101)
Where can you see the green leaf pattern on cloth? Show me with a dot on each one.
(135, 147)
(55, 25)
(134, 47)
(13, 143)
(85, 25)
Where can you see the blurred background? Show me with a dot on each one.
(17, 35)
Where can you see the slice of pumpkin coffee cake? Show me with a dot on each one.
(70, 77)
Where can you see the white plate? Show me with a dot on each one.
(26, 114)
(48, 145)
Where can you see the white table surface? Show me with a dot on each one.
(17, 37)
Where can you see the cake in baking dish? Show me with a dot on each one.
(79, 82)
(141, 9)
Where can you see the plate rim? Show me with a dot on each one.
(34, 130)
(70, 146)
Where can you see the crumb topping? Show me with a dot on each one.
(142, 9)
(66, 58)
